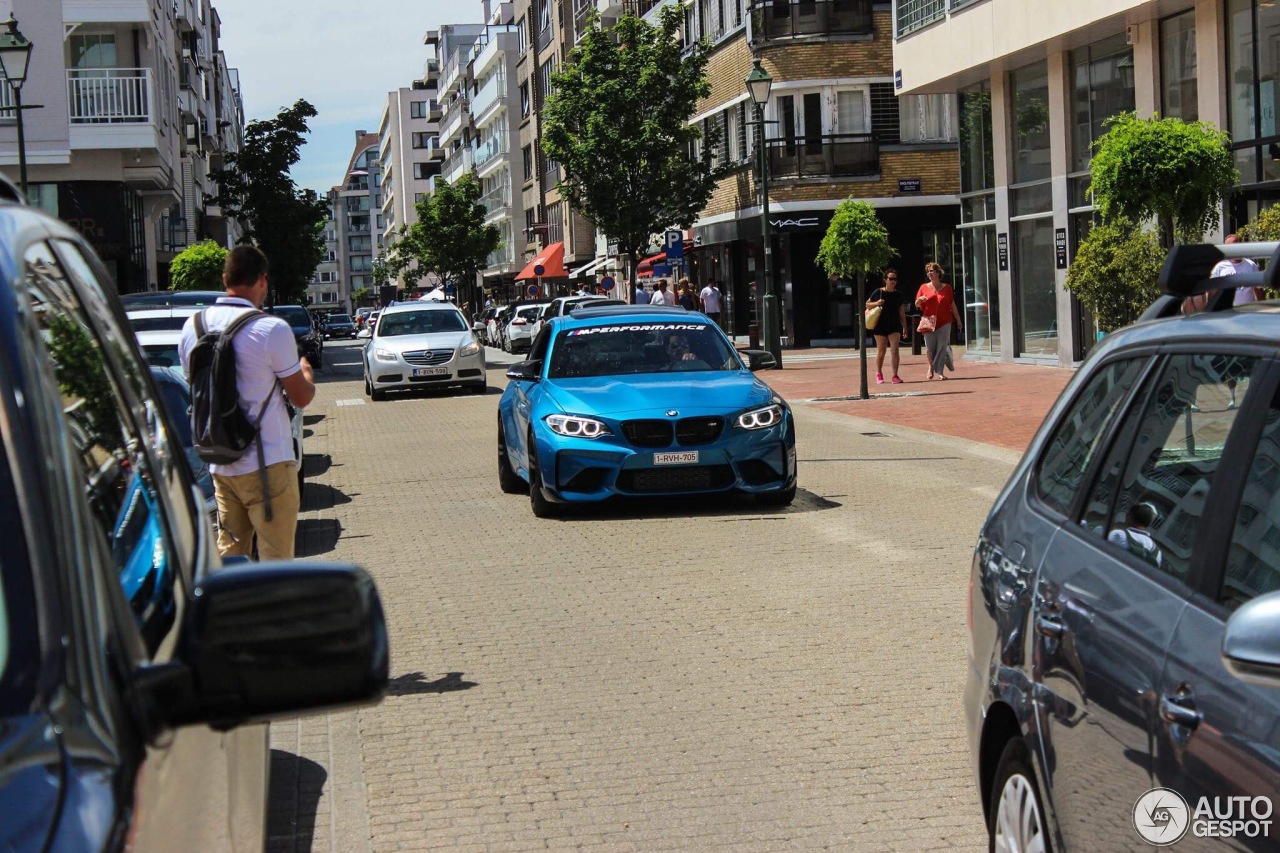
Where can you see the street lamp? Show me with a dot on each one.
(759, 82)
(15, 53)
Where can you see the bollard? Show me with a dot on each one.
(753, 336)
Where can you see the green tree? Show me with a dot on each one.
(450, 237)
(359, 295)
(617, 122)
(198, 267)
(856, 243)
(1263, 229)
(283, 221)
(1115, 272)
(1177, 171)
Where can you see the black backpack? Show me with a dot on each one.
(220, 429)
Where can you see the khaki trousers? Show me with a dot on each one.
(242, 512)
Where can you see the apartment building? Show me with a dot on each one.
(1036, 85)
(138, 106)
(356, 204)
(835, 129)
(409, 149)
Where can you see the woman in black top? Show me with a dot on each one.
(890, 325)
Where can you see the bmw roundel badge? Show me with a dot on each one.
(671, 413)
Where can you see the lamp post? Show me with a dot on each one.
(15, 53)
(759, 82)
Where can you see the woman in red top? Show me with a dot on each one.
(937, 309)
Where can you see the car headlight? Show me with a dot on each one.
(384, 355)
(577, 427)
(761, 418)
(472, 348)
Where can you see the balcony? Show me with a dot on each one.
(497, 201)
(490, 95)
(459, 163)
(838, 155)
(785, 20)
(431, 70)
(495, 147)
(111, 108)
(454, 115)
(916, 14)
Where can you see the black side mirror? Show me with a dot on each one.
(269, 640)
(1251, 641)
(526, 371)
(759, 359)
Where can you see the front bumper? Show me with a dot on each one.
(579, 470)
(458, 370)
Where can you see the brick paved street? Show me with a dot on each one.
(665, 677)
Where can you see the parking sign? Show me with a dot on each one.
(675, 244)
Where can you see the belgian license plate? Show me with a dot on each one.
(688, 457)
(431, 371)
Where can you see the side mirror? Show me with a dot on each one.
(759, 359)
(1251, 642)
(270, 640)
(526, 371)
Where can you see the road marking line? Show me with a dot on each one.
(356, 402)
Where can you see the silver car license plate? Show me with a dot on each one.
(431, 371)
(688, 457)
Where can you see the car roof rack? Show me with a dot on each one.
(1187, 268)
(624, 310)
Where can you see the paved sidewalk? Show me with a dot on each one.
(993, 403)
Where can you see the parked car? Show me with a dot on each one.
(362, 317)
(594, 413)
(310, 341)
(340, 326)
(170, 299)
(480, 322)
(136, 673)
(175, 393)
(493, 327)
(516, 333)
(562, 305)
(1123, 615)
(422, 344)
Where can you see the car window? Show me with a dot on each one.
(538, 349)
(634, 348)
(1151, 488)
(1253, 567)
(19, 642)
(157, 324)
(116, 474)
(340, 318)
(1066, 457)
(420, 323)
(162, 355)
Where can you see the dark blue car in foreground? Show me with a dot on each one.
(631, 401)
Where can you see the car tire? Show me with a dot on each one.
(315, 361)
(782, 498)
(482, 388)
(1017, 818)
(368, 386)
(542, 508)
(377, 395)
(508, 480)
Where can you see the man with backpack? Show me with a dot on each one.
(238, 359)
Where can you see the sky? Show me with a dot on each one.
(341, 57)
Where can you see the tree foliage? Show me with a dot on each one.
(283, 221)
(1263, 229)
(856, 241)
(450, 237)
(617, 122)
(359, 295)
(1115, 272)
(198, 267)
(1176, 171)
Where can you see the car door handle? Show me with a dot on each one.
(1180, 711)
(1048, 626)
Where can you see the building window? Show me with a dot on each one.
(926, 118)
(977, 158)
(1030, 87)
(1102, 84)
(359, 244)
(93, 51)
(1179, 95)
(884, 113)
(417, 109)
(530, 220)
(422, 139)
(526, 155)
(418, 197)
(360, 263)
(544, 76)
(544, 17)
(524, 99)
(359, 281)
(422, 171)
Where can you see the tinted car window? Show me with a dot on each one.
(1253, 561)
(1066, 456)
(340, 318)
(294, 315)
(19, 644)
(633, 348)
(162, 355)
(157, 324)
(1151, 489)
(420, 323)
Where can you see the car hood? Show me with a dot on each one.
(694, 393)
(438, 340)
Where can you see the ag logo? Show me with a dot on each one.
(1161, 817)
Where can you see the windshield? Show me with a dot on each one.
(420, 323)
(294, 315)
(340, 318)
(632, 348)
(157, 324)
(530, 313)
(162, 355)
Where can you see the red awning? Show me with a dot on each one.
(645, 268)
(548, 264)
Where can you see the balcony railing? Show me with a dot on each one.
(6, 101)
(109, 95)
(496, 146)
(914, 14)
(792, 19)
(498, 198)
(834, 155)
(490, 93)
(459, 163)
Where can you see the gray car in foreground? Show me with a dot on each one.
(1124, 654)
(422, 344)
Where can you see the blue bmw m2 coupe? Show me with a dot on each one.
(641, 400)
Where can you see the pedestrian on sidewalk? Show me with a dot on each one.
(710, 298)
(1243, 295)
(250, 502)
(890, 324)
(663, 295)
(642, 295)
(685, 298)
(937, 309)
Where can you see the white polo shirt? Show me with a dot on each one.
(265, 351)
(710, 299)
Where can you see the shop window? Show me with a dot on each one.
(1179, 93)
